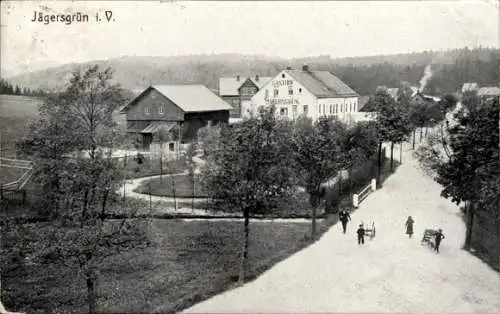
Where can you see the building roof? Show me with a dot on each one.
(489, 91)
(189, 98)
(322, 84)
(470, 86)
(228, 86)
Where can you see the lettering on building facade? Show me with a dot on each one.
(282, 83)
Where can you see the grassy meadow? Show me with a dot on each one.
(15, 113)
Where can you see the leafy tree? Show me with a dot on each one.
(468, 169)
(360, 144)
(392, 124)
(71, 148)
(248, 169)
(317, 156)
(190, 154)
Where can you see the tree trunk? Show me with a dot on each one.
(421, 133)
(350, 182)
(173, 191)
(379, 161)
(313, 201)
(401, 153)
(392, 155)
(91, 300)
(161, 168)
(244, 253)
(339, 176)
(150, 200)
(470, 223)
(426, 131)
(90, 281)
(414, 131)
(192, 199)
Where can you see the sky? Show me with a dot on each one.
(274, 28)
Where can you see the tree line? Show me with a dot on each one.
(451, 69)
(7, 88)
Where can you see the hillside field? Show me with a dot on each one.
(15, 113)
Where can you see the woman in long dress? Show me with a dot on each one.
(409, 226)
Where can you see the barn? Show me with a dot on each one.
(179, 110)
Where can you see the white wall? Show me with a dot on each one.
(300, 98)
(342, 108)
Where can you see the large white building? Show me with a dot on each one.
(305, 92)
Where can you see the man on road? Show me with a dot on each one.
(344, 217)
(439, 237)
(361, 234)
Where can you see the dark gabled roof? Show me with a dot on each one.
(189, 98)
(228, 86)
(322, 84)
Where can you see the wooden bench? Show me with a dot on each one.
(370, 232)
(429, 237)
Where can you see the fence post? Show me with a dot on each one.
(355, 200)
(374, 184)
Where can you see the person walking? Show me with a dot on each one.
(439, 236)
(361, 234)
(409, 226)
(344, 217)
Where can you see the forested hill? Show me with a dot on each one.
(451, 69)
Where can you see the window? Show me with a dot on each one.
(294, 109)
(300, 90)
(276, 92)
(266, 94)
(331, 109)
(284, 111)
(283, 75)
(305, 109)
(290, 91)
(147, 110)
(324, 111)
(171, 146)
(160, 110)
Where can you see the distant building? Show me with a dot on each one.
(470, 87)
(486, 93)
(309, 93)
(421, 98)
(180, 110)
(238, 91)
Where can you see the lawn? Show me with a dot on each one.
(181, 185)
(188, 262)
(152, 167)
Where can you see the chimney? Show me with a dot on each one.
(305, 68)
(257, 77)
(237, 78)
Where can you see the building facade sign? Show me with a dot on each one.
(290, 101)
(279, 83)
